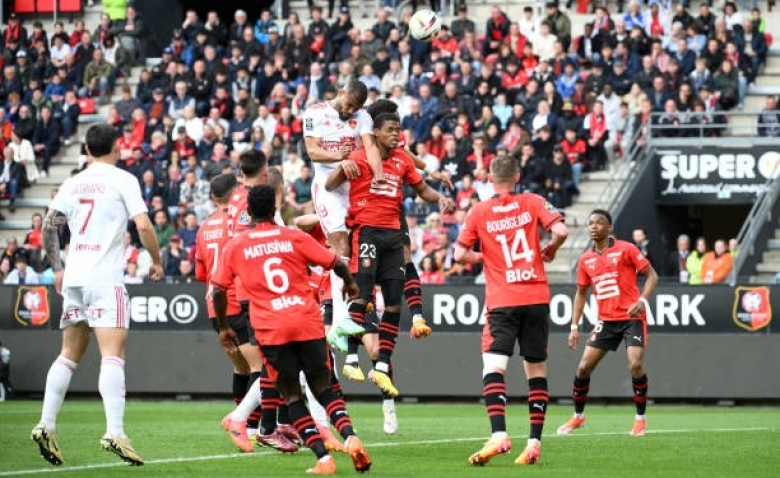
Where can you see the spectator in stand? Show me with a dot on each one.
(729, 86)
(753, 45)
(575, 150)
(454, 162)
(769, 119)
(717, 264)
(189, 231)
(676, 263)
(180, 101)
(98, 76)
(24, 154)
(171, 191)
(46, 138)
(172, 255)
(429, 271)
(462, 24)
(648, 249)
(496, 31)
(163, 227)
(13, 177)
(22, 274)
(195, 196)
(300, 198)
(132, 33)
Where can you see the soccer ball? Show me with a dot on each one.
(424, 25)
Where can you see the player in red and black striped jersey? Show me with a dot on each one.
(517, 297)
(611, 266)
(377, 250)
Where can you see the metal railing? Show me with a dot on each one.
(719, 123)
(622, 177)
(759, 215)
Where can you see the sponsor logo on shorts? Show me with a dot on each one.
(32, 306)
(752, 310)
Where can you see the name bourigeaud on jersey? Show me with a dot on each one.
(509, 222)
(665, 309)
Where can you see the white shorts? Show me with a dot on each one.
(331, 206)
(100, 307)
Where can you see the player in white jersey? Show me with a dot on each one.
(96, 204)
(332, 130)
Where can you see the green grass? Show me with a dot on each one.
(433, 441)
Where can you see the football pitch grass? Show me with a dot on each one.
(184, 439)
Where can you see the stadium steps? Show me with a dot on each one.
(770, 262)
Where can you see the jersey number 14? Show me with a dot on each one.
(519, 249)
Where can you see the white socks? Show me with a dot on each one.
(248, 404)
(112, 388)
(317, 411)
(57, 382)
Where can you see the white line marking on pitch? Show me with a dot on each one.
(225, 456)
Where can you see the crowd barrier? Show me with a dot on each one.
(705, 342)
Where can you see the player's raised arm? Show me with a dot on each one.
(51, 243)
(374, 156)
(149, 241)
(337, 178)
(559, 234)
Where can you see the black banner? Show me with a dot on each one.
(708, 175)
(673, 309)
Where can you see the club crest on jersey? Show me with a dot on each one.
(352, 123)
(367, 263)
(244, 218)
(309, 124)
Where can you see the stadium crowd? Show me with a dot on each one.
(561, 102)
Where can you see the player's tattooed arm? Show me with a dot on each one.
(51, 237)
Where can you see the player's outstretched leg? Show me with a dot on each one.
(351, 368)
(57, 383)
(235, 423)
(580, 396)
(413, 294)
(307, 429)
(339, 417)
(494, 392)
(640, 400)
(388, 335)
(537, 408)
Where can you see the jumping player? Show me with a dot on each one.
(517, 297)
(377, 239)
(611, 266)
(96, 204)
(286, 319)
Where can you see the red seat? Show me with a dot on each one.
(87, 106)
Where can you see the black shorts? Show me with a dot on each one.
(607, 334)
(240, 325)
(326, 309)
(405, 227)
(285, 362)
(378, 251)
(528, 325)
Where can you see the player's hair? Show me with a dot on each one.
(504, 169)
(222, 185)
(357, 89)
(381, 106)
(252, 162)
(383, 118)
(100, 139)
(261, 203)
(603, 212)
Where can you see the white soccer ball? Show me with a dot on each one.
(424, 25)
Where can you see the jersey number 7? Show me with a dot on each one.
(89, 203)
